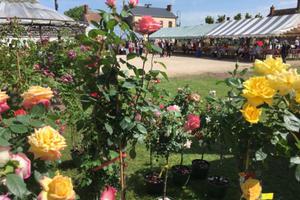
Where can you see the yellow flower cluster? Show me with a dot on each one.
(274, 77)
(251, 189)
(58, 188)
(46, 143)
(3, 96)
(270, 66)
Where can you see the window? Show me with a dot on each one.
(170, 24)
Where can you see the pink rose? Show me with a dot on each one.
(24, 168)
(109, 193)
(133, 3)
(44, 102)
(173, 108)
(193, 122)
(4, 197)
(4, 106)
(4, 155)
(111, 3)
(147, 25)
(161, 106)
(138, 117)
(157, 113)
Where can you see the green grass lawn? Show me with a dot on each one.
(277, 177)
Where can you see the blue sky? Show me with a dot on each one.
(192, 11)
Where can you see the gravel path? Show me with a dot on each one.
(187, 66)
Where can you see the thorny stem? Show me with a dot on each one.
(166, 177)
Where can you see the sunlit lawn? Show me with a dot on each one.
(277, 176)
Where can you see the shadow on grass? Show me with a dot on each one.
(276, 178)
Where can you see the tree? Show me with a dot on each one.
(221, 18)
(209, 20)
(76, 13)
(258, 15)
(238, 16)
(248, 16)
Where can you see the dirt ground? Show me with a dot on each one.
(189, 66)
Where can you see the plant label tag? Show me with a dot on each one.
(267, 196)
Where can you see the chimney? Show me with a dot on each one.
(272, 10)
(228, 18)
(169, 7)
(85, 9)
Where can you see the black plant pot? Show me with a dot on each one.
(217, 186)
(154, 183)
(200, 169)
(181, 174)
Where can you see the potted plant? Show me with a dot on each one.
(189, 103)
(154, 183)
(217, 186)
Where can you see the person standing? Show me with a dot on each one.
(285, 50)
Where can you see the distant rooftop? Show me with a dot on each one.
(287, 11)
(154, 12)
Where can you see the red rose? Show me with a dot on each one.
(20, 112)
(193, 122)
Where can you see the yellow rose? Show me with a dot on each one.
(36, 95)
(3, 96)
(46, 143)
(297, 97)
(284, 82)
(251, 113)
(58, 188)
(270, 66)
(251, 189)
(257, 90)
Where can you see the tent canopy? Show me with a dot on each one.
(30, 12)
(256, 27)
(37, 19)
(185, 32)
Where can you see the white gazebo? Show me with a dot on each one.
(38, 20)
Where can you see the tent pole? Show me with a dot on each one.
(40, 31)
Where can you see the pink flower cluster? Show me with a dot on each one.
(72, 54)
(192, 123)
(174, 108)
(147, 25)
(67, 78)
(109, 193)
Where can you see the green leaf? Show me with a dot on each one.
(37, 123)
(18, 128)
(24, 119)
(161, 63)
(96, 32)
(260, 155)
(124, 14)
(141, 128)
(38, 110)
(16, 185)
(164, 74)
(291, 122)
(108, 128)
(4, 142)
(156, 49)
(132, 153)
(128, 85)
(131, 56)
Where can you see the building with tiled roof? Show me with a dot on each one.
(281, 12)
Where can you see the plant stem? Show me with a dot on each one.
(122, 176)
(181, 156)
(151, 157)
(166, 177)
(247, 163)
